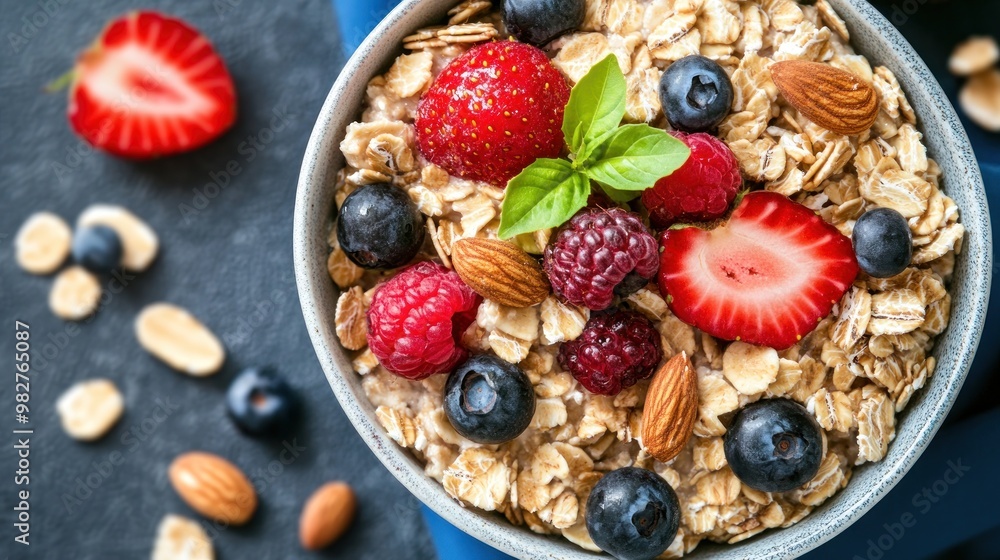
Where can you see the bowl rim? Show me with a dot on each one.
(508, 538)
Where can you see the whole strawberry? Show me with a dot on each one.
(615, 350)
(492, 112)
(600, 253)
(415, 318)
(701, 190)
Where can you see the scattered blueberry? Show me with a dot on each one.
(774, 445)
(696, 94)
(261, 403)
(97, 248)
(380, 227)
(633, 514)
(883, 242)
(489, 400)
(537, 22)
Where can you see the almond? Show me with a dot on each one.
(213, 487)
(500, 271)
(671, 409)
(832, 98)
(326, 515)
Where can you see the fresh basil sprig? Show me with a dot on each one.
(623, 160)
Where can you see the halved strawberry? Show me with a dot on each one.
(766, 277)
(151, 85)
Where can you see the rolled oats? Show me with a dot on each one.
(42, 243)
(980, 99)
(478, 477)
(974, 55)
(853, 372)
(750, 369)
(88, 409)
(75, 294)
(179, 538)
(351, 324)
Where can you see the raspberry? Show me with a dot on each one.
(416, 318)
(492, 112)
(701, 190)
(598, 253)
(615, 350)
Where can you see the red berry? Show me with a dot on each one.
(701, 190)
(598, 253)
(492, 112)
(151, 85)
(766, 277)
(416, 319)
(615, 350)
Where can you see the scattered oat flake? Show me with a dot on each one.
(88, 409)
(180, 538)
(980, 99)
(43, 243)
(974, 55)
(140, 244)
(75, 294)
(176, 337)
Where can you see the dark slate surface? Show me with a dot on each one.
(230, 264)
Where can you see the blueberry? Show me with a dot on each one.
(883, 242)
(380, 227)
(633, 514)
(537, 22)
(97, 248)
(774, 445)
(261, 403)
(696, 94)
(489, 400)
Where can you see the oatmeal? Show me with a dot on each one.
(852, 370)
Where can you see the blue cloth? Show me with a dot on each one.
(956, 471)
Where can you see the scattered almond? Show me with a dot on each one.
(326, 515)
(973, 56)
(671, 409)
(43, 243)
(213, 487)
(500, 271)
(180, 538)
(139, 242)
(88, 409)
(830, 97)
(175, 336)
(980, 99)
(75, 294)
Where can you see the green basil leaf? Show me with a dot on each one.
(546, 194)
(620, 196)
(635, 157)
(596, 106)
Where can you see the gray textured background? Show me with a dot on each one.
(230, 264)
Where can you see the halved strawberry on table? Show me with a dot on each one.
(150, 85)
(767, 276)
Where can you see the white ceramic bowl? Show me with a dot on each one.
(872, 36)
